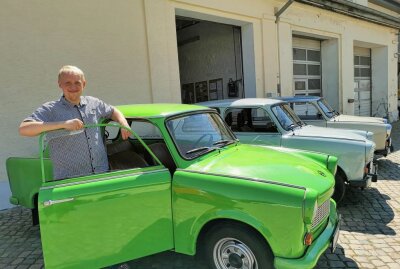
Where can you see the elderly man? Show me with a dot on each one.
(83, 153)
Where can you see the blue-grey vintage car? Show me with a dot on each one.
(272, 122)
(316, 111)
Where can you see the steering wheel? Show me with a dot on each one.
(195, 144)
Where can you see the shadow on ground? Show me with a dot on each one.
(366, 211)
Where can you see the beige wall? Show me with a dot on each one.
(129, 53)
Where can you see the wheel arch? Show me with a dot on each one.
(342, 173)
(209, 226)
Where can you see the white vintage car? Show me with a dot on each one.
(272, 122)
(316, 111)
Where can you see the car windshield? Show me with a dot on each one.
(198, 134)
(286, 117)
(327, 109)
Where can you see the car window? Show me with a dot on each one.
(286, 116)
(306, 111)
(326, 108)
(198, 133)
(131, 153)
(111, 153)
(249, 120)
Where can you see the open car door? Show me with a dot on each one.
(103, 219)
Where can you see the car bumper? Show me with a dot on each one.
(372, 176)
(388, 148)
(328, 238)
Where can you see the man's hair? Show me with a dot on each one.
(70, 69)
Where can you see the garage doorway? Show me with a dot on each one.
(307, 66)
(362, 81)
(210, 60)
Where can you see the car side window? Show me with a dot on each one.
(306, 111)
(130, 153)
(250, 120)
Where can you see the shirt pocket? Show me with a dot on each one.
(91, 117)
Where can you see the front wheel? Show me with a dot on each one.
(234, 246)
(340, 187)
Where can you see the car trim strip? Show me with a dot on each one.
(101, 179)
(246, 178)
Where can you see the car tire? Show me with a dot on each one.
(236, 246)
(340, 187)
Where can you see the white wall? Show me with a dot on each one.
(348, 31)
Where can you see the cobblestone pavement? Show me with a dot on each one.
(369, 232)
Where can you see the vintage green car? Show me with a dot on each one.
(182, 182)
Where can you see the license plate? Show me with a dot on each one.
(335, 236)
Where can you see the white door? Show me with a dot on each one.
(306, 66)
(362, 81)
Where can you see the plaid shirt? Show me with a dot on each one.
(82, 153)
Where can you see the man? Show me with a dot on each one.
(82, 153)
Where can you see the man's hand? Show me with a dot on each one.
(125, 133)
(119, 117)
(74, 124)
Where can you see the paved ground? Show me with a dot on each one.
(369, 235)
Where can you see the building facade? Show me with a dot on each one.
(149, 51)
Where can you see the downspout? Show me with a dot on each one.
(277, 15)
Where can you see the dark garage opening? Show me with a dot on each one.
(210, 60)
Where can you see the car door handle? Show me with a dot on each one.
(53, 202)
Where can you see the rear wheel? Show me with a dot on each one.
(235, 246)
(340, 187)
(35, 211)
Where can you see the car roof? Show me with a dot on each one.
(157, 110)
(299, 98)
(241, 102)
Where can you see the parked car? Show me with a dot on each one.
(271, 122)
(315, 110)
(183, 182)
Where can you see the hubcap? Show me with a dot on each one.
(230, 253)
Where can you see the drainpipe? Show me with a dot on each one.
(277, 15)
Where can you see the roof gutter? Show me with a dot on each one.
(357, 11)
(389, 4)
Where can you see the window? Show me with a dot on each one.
(198, 134)
(306, 111)
(131, 153)
(307, 71)
(250, 120)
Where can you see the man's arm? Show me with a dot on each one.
(34, 128)
(119, 117)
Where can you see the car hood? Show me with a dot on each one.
(352, 118)
(268, 164)
(333, 133)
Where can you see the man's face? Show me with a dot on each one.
(72, 86)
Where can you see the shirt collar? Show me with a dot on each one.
(64, 101)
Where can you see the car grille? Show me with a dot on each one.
(371, 156)
(322, 213)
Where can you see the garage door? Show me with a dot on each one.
(306, 66)
(362, 81)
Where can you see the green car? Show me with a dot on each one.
(182, 182)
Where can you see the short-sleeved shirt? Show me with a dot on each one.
(82, 153)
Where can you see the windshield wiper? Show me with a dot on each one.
(224, 142)
(334, 113)
(300, 123)
(291, 127)
(208, 149)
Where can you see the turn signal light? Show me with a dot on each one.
(366, 170)
(308, 239)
